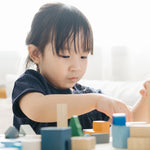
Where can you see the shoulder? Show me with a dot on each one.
(85, 89)
(31, 77)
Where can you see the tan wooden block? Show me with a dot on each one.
(83, 143)
(62, 115)
(138, 143)
(140, 130)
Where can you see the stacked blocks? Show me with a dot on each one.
(139, 137)
(101, 130)
(120, 132)
(76, 126)
(56, 138)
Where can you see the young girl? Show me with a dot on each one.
(59, 43)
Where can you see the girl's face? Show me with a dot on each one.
(65, 70)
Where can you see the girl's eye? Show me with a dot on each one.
(64, 56)
(83, 57)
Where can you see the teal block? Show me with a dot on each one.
(120, 135)
(55, 138)
(76, 126)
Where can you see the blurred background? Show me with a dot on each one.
(121, 36)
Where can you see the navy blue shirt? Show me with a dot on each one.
(33, 81)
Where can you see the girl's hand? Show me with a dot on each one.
(144, 91)
(110, 105)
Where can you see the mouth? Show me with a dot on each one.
(73, 79)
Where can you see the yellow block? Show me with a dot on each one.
(3, 93)
(101, 126)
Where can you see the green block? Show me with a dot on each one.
(76, 126)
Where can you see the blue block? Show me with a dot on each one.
(12, 144)
(54, 138)
(119, 119)
(120, 135)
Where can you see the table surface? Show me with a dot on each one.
(107, 146)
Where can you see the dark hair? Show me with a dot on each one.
(59, 23)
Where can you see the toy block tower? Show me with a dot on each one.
(120, 132)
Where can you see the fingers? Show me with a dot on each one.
(145, 84)
(143, 92)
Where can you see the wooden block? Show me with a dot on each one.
(55, 138)
(3, 93)
(31, 143)
(76, 126)
(120, 135)
(62, 116)
(148, 101)
(140, 130)
(88, 131)
(101, 126)
(26, 130)
(138, 143)
(83, 143)
(101, 137)
(11, 132)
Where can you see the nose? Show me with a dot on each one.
(75, 64)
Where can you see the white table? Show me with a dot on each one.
(106, 146)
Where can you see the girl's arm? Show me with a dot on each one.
(43, 108)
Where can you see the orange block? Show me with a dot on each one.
(101, 126)
(3, 93)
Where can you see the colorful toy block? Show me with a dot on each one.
(62, 115)
(101, 137)
(56, 138)
(120, 135)
(120, 132)
(11, 132)
(83, 143)
(101, 126)
(119, 119)
(76, 126)
(26, 130)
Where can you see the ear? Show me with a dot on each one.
(34, 53)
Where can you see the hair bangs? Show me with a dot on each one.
(72, 28)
